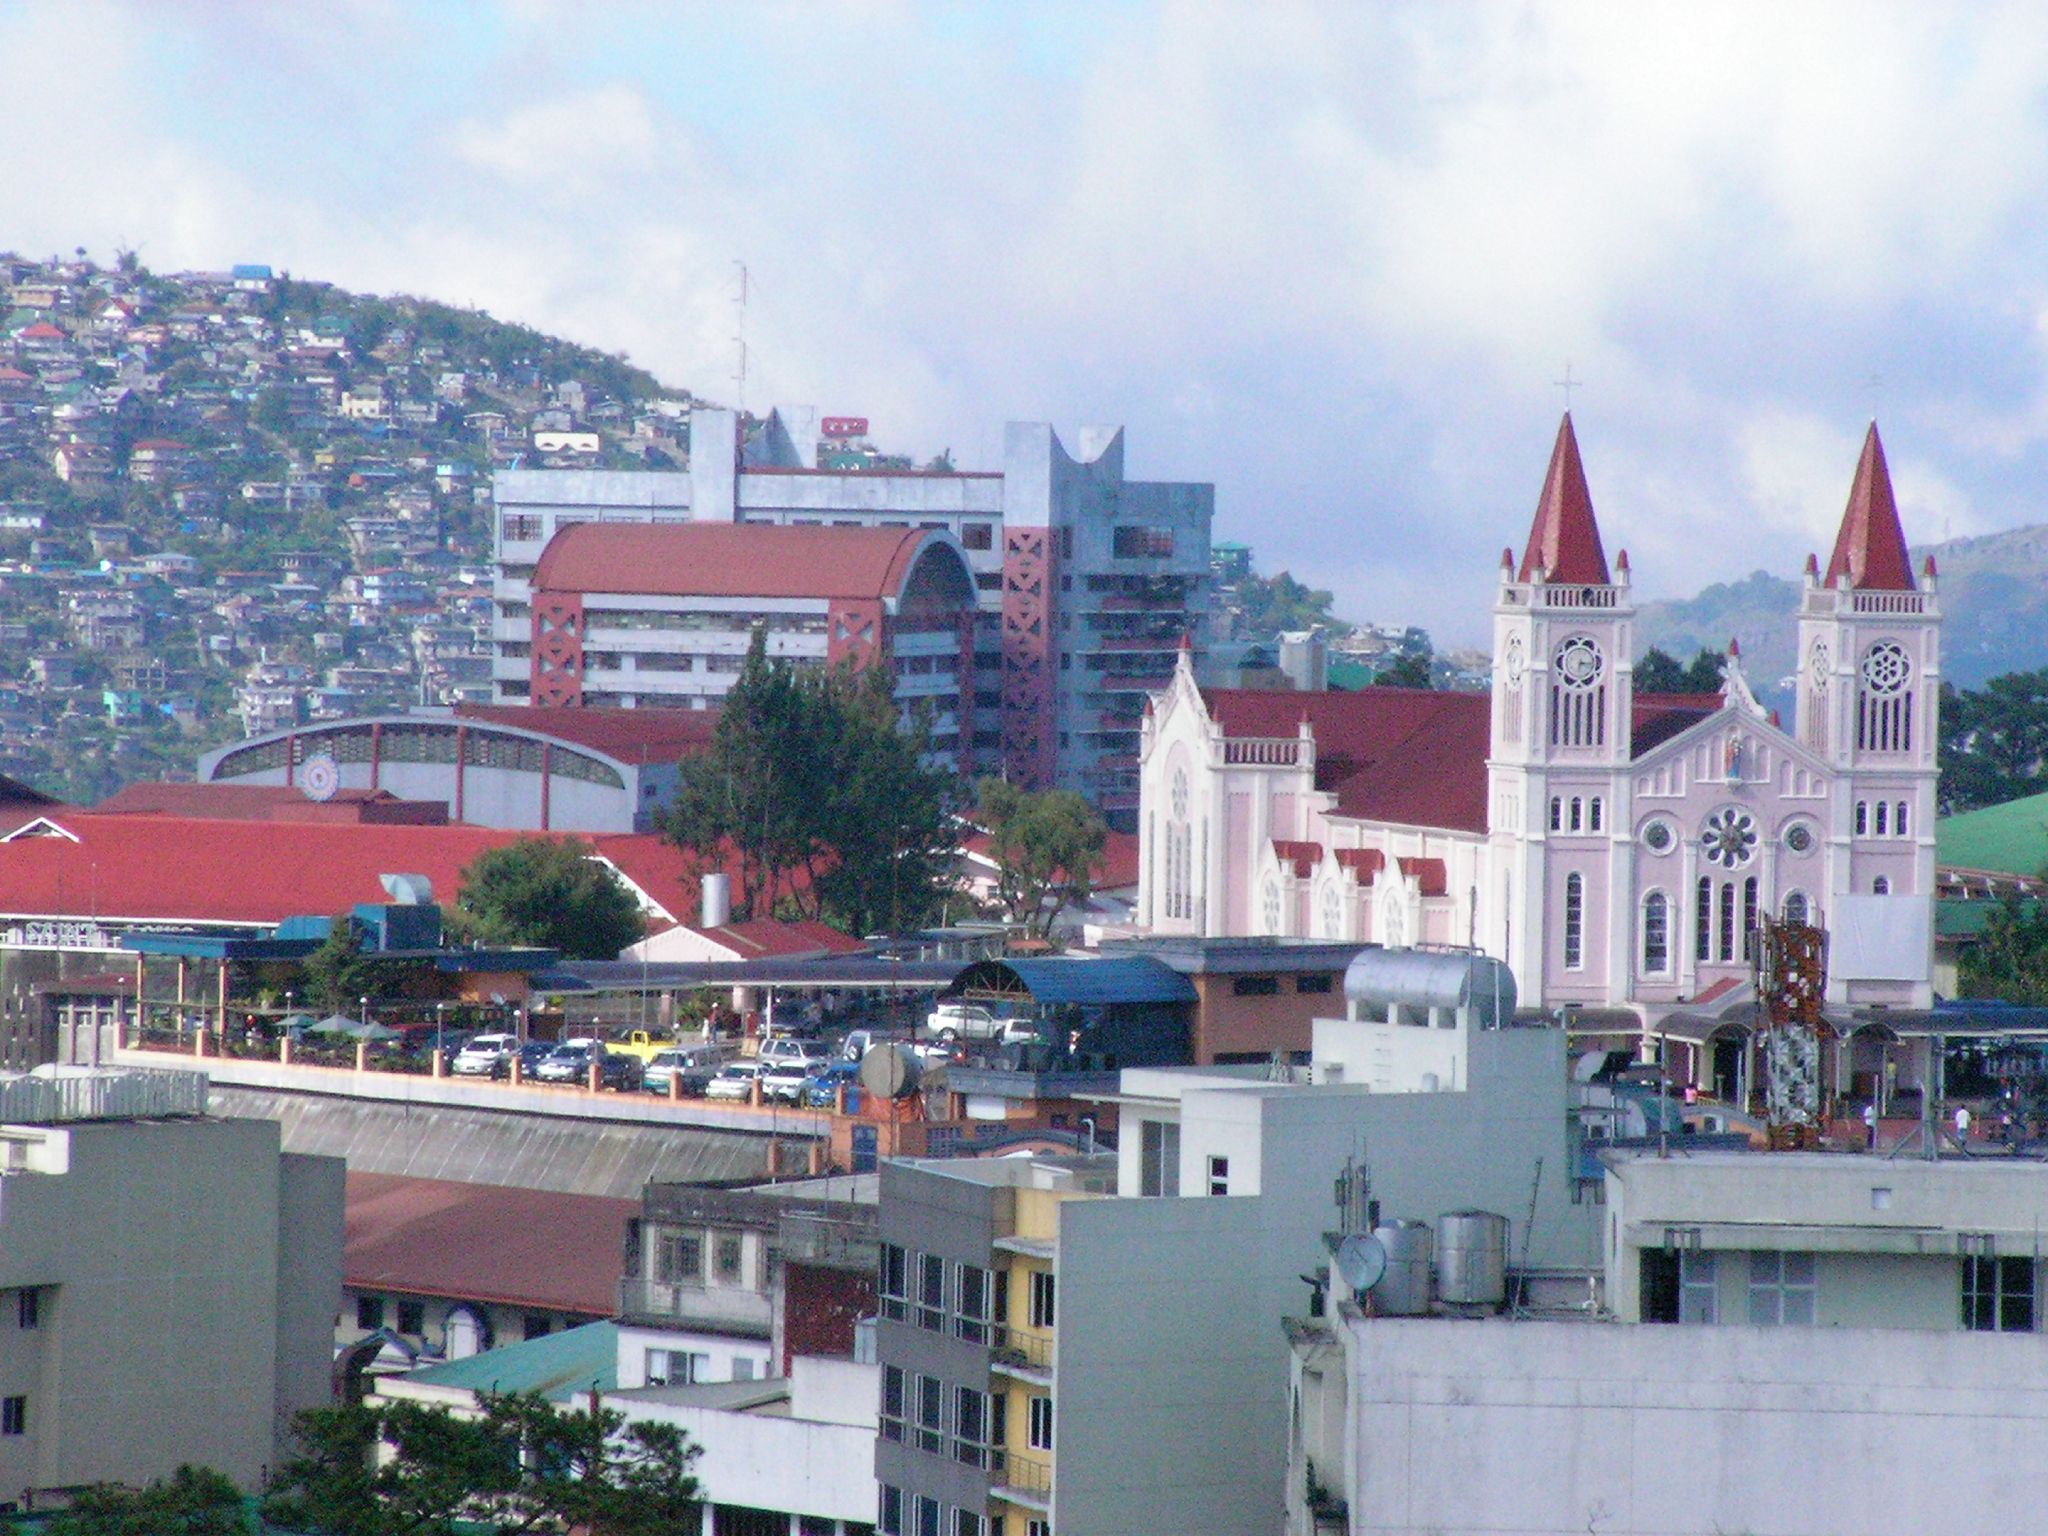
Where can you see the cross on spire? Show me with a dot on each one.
(1568, 384)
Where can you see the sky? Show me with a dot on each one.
(1333, 258)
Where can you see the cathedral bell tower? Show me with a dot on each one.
(1562, 702)
(1870, 694)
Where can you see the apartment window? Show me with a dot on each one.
(14, 1415)
(369, 1311)
(1699, 1290)
(929, 1400)
(536, 1325)
(727, 1258)
(676, 1367)
(1254, 986)
(1313, 983)
(1781, 1290)
(1038, 1428)
(927, 1513)
(967, 1523)
(970, 1427)
(1219, 1175)
(1574, 919)
(1044, 1298)
(28, 1308)
(412, 1317)
(679, 1258)
(977, 536)
(889, 1511)
(1998, 1295)
(1656, 934)
(1138, 543)
(892, 1402)
(1038, 1528)
(931, 1292)
(973, 1290)
(1159, 1158)
(520, 527)
(893, 1281)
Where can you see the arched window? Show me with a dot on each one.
(1880, 886)
(1726, 894)
(1899, 828)
(1269, 905)
(1882, 823)
(1703, 920)
(1656, 934)
(1796, 908)
(1862, 818)
(1593, 817)
(1574, 922)
(1578, 814)
(1557, 813)
(1749, 918)
(1884, 704)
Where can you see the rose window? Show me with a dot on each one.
(1729, 838)
(1799, 837)
(1885, 667)
(1579, 662)
(1657, 836)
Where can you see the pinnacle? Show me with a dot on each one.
(1564, 539)
(1870, 549)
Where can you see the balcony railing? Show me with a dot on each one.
(1026, 1474)
(640, 1297)
(1014, 1346)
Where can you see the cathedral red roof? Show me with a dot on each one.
(1870, 549)
(1410, 756)
(1564, 539)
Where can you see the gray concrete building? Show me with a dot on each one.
(168, 1283)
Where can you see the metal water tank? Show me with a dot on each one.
(1472, 1259)
(1404, 1290)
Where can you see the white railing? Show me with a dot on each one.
(1575, 597)
(1890, 602)
(1262, 751)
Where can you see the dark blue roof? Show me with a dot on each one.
(1124, 979)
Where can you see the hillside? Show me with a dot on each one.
(1994, 598)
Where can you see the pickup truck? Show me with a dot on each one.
(638, 1043)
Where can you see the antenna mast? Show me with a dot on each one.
(739, 378)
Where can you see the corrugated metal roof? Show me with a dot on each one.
(731, 560)
(1125, 979)
(554, 1365)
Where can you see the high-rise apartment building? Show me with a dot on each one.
(1085, 582)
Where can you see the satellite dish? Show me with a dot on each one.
(889, 1072)
(1361, 1261)
(320, 776)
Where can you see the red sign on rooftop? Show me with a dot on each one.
(843, 426)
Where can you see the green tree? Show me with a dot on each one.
(1658, 671)
(1045, 844)
(1994, 741)
(339, 972)
(817, 798)
(2010, 961)
(521, 1467)
(192, 1501)
(553, 893)
(1274, 603)
(1407, 671)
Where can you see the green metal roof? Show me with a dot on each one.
(557, 1365)
(2011, 838)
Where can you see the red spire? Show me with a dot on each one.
(1871, 548)
(1565, 540)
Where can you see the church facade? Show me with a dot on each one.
(1616, 848)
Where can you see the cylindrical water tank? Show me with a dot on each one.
(714, 901)
(1404, 1290)
(1472, 1259)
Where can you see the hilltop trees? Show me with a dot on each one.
(1660, 672)
(817, 799)
(1994, 741)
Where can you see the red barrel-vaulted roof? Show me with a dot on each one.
(731, 560)
(1870, 547)
(1564, 539)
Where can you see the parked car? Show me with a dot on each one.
(781, 1050)
(784, 1080)
(735, 1080)
(485, 1056)
(697, 1064)
(532, 1054)
(967, 1021)
(569, 1062)
(821, 1089)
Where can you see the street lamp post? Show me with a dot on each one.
(440, 1012)
(366, 1016)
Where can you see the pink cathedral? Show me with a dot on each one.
(1616, 848)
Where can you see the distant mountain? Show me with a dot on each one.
(1994, 601)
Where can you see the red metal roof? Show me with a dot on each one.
(195, 870)
(269, 802)
(485, 1242)
(1431, 877)
(1564, 539)
(1660, 716)
(729, 560)
(630, 735)
(1303, 856)
(1870, 547)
